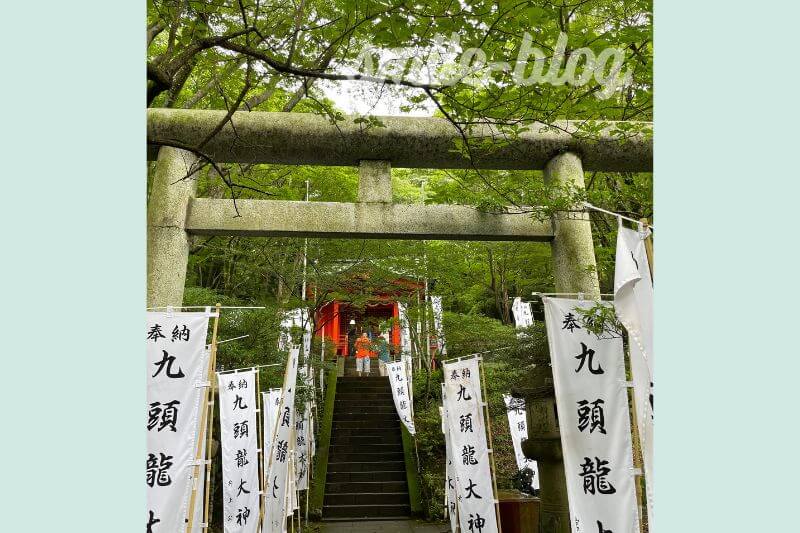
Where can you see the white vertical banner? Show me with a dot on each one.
(301, 435)
(311, 405)
(295, 318)
(312, 439)
(405, 333)
(312, 421)
(270, 402)
(295, 498)
(291, 485)
(285, 336)
(518, 427)
(402, 402)
(633, 301)
(408, 364)
(307, 342)
(177, 371)
(450, 487)
(523, 317)
(464, 406)
(239, 436)
(301, 448)
(436, 304)
(592, 403)
(277, 484)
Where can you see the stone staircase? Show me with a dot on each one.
(366, 469)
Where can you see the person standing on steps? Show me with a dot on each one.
(382, 347)
(363, 347)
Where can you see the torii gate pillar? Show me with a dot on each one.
(575, 271)
(574, 265)
(174, 185)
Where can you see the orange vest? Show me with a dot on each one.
(362, 347)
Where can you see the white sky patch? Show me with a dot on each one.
(365, 98)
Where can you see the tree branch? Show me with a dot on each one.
(153, 30)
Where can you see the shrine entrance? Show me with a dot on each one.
(182, 140)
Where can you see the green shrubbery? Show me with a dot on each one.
(505, 369)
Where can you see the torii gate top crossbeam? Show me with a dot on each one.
(409, 142)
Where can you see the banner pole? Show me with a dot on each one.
(260, 440)
(636, 445)
(648, 247)
(293, 470)
(482, 372)
(265, 471)
(207, 492)
(275, 433)
(309, 429)
(645, 521)
(636, 448)
(204, 421)
(291, 475)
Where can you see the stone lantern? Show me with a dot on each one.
(544, 445)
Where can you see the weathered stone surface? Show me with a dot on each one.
(167, 241)
(410, 142)
(574, 265)
(574, 270)
(278, 218)
(375, 181)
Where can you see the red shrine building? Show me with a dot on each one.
(338, 318)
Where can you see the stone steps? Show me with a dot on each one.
(366, 468)
(381, 406)
(365, 457)
(381, 397)
(365, 486)
(358, 446)
(372, 476)
(367, 498)
(366, 512)
(372, 389)
(367, 424)
(366, 415)
(361, 466)
(351, 373)
(385, 432)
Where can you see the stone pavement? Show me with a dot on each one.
(384, 526)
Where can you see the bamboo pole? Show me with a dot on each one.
(648, 247)
(641, 497)
(482, 372)
(207, 492)
(636, 446)
(260, 440)
(308, 429)
(638, 463)
(265, 472)
(291, 485)
(203, 423)
(275, 433)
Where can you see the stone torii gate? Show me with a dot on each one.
(175, 214)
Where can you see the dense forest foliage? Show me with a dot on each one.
(292, 56)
